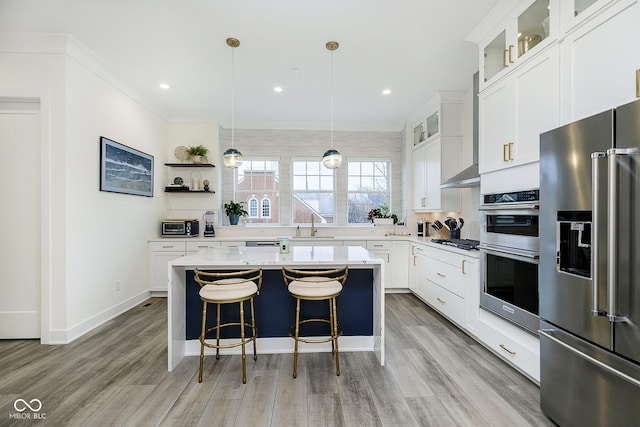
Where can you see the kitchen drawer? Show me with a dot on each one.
(232, 244)
(445, 256)
(447, 303)
(378, 245)
(200, 245)
(514, 345)
(168, 246)
(446, 275)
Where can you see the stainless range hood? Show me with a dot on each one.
(470, 176)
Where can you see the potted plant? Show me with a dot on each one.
(234, 211)
(197, 154)
(382, 216)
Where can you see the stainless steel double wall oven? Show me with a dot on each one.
(509, 253)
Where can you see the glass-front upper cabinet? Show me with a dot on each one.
(576, 11)
(523, 29)
(580, 6)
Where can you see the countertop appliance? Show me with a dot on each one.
(180, 228)
(590, 270)
(509, 255)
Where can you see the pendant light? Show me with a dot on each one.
(332, 159)
(232, 158)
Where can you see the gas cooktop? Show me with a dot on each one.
(466, 244)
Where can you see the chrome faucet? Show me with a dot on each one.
(313, 226)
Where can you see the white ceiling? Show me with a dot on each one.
(413, 47)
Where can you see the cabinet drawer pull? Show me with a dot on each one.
(441, 275)
(510, 54)
(463, 262)
(510, 150)
(638, 83)
(378, 246)
(504, 153)
(167, 246)
(441, 301)
(203, 246)
(504, 58)
(502, 346)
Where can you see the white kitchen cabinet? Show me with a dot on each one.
(314, 241)
(446, 284)
(381, 248)
(515, 110)
(530, 26)
(418, 271)
(159, 254)
(515, 346)
(601, 60)
(433, 163)
(398, 265)
(196, 246)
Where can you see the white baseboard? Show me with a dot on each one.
(19, 324)
(285, 345)
(65, 336)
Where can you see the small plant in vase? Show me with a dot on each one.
(197, 154)
(234, 211)
(381, 215)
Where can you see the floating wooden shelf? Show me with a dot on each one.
(190, 165)
(184, 190)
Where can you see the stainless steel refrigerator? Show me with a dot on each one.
(590, 270)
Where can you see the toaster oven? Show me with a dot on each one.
(180, 228)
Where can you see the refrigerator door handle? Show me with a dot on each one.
(595, 190)
(547, 333)
(612, 253)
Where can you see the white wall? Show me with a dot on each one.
(190, 134)
(106, 232)
(90, 238)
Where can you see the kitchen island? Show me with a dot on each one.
(361, 305)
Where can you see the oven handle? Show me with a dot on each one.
(518, 206)
(532, 255)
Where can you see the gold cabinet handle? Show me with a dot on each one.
(504, 58)
(167, 246)
(510, 54)
(638, 83)
(510, 150)
(504, 152)
(463, 262)
(502, 346)
(441, 301)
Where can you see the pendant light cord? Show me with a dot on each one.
(331, 100)
(233, 97)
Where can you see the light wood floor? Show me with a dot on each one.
(117, 375)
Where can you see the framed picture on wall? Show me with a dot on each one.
(124, 169)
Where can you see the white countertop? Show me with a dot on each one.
(270, 256)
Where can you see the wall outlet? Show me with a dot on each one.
(117, 285)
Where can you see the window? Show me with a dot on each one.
(266, 208)
(253, 207)
(312, 193)
(258, 185)
(367, 188)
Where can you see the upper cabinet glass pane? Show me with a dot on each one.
(433, 126)
(580, 6)
(533, 26)
(494, 56)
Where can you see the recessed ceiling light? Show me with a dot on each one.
(386, 91)
(277, 89)
(164, 86)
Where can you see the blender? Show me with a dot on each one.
(209, 230)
